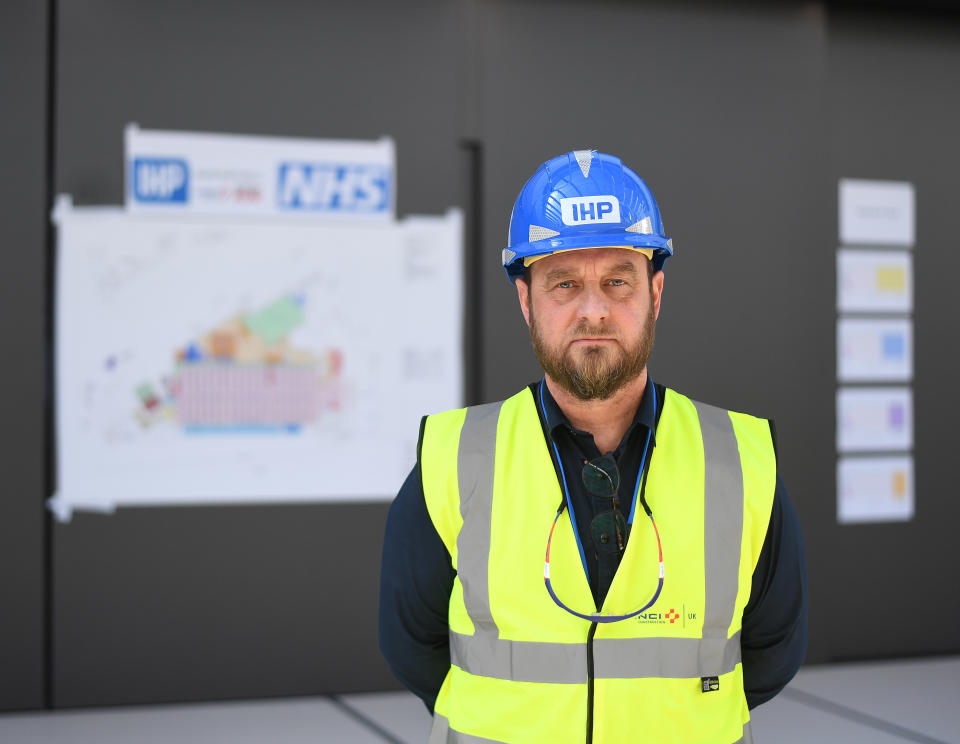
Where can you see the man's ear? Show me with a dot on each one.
(523, 294)
(656, 288)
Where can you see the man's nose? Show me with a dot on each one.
(594, 304)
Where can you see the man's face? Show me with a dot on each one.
(592, 315)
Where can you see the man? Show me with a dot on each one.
(597, 558)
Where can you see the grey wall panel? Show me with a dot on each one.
(895, 114)
(23, 196)
(721, 110)
(160, 605)
(165, 605)
(289, 68)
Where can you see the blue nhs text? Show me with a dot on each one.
(329, 187)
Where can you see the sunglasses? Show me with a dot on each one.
(601, 477)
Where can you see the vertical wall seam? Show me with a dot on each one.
(49, 455)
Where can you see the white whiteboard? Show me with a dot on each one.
(207, 360)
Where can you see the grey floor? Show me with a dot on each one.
(878, 703)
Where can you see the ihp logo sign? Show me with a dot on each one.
(589, 210)
(161, 180)
(329, 187)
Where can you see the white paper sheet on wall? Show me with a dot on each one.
(875, 489)
(874, 350)
(211, 360)
(874, 419)
(874, 281)
(876, 212)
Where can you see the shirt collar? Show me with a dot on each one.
(645, 415)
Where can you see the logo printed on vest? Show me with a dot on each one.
(589, 210)
(673, 616)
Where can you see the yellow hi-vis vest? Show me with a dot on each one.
(523, 669)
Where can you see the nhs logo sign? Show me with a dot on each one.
(220, 173)
(161, 180)
(588, 210)
(330, 187)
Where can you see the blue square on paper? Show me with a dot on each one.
(893, 346)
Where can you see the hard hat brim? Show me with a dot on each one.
(662, 248)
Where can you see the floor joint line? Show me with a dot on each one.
(842, 711)
(364, 719)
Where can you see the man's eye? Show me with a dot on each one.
(617, 282)
(565, 285)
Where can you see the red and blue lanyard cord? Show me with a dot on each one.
(639, 491)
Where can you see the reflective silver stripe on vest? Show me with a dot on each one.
(723, 530)
(475, 461)
(441, 733)
(520, 661)
(486, 654)
(672, 658)
(613, 658)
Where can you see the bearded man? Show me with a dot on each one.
(597, 558)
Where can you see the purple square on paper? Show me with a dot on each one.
(896, 416)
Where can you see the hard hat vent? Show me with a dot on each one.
(584, 158)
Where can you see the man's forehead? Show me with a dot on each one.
(601, 259)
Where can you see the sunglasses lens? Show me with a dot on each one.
(601, 476)
(606, 528)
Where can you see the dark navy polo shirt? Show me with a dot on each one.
(416, 576)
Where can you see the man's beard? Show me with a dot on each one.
(601, 370)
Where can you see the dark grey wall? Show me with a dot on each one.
(740, 116)
(895, 113)
(23, 318)
(286, 68)
(163, 605)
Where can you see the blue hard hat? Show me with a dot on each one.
(583, 199)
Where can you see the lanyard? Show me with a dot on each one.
(639, 490)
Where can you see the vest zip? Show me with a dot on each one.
(590, 634)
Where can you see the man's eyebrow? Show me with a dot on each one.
(623, 268)
(557, 274)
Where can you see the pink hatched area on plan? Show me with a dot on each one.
(245, 376)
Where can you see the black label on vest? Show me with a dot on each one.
(709, 684)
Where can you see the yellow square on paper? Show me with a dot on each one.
(891, 279)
